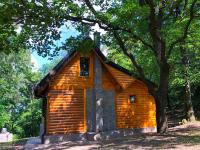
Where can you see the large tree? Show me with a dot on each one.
(20, 113)
(155, 26)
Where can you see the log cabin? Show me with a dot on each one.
(93, 98)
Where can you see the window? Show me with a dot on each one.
(132, 98)
(84, 67)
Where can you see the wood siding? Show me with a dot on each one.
(69, 77)
(108, 82)
(141, 113)
(123, 79)
(66, 99)
(66, 112)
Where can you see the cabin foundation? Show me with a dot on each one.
(92, 136)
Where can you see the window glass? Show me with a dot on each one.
(132, 98)
(84, 66)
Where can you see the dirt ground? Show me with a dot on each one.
(185, 137)
(15, 145)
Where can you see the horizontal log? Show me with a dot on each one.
(73, 90)
(66, 110)
(78, 115)
(65, 92)
(143, 114)
(66, 113)
(59, 126)
(71, 127)
(74, 104)
(67, 116)
(71, 104)
(63, 119)
(66, 132)
(136, 120)
(58, 83)
(135, 117)
(67, 124)
(67, 105)
(66, 121)
(136, 110)
(68, 86)
(73, 123)
(67, 100)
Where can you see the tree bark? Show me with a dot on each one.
(162, 98)
(187, 88)
(188, 101)
(161, 117)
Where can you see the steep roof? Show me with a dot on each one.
(42, 86)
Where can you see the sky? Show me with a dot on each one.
(39, 61)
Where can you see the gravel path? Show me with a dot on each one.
(185, 137)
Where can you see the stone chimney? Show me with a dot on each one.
(97, 39)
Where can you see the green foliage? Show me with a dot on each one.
(144, 58)
(10, 40)
(19, 111)
(4, 116)
(28, 122)
(44, 70)
(82, 44)
(118, 58)
(149, 31)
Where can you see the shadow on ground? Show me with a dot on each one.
(15, 145)
(182, 137)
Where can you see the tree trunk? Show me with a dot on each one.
(162, 98)
(189, 107)
(161, 117)
(188, 100)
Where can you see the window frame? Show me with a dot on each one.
(135, 98)
(88, 60)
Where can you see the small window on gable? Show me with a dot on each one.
(84, 67)
(132, 98)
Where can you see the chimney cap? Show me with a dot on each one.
(97, 39)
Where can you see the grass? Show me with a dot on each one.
(15, 144)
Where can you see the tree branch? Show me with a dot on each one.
(114, 27)
(129, 55)
(120, 42)
(174, 5)
(185, 33)
(155, 19)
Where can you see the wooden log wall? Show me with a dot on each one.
(141, 113)
(66, 111)
(66, 99)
